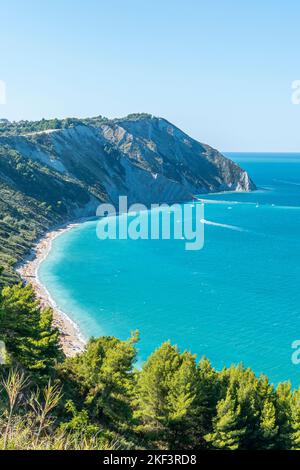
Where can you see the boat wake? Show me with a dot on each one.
(217, 224)
(290, 183)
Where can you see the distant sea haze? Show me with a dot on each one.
(236, 300)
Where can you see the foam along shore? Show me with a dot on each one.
(72, 341)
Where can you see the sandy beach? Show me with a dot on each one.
(72, 341)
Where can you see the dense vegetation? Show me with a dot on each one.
(26, 127)
(99, 400)
(33, 198)
(8, 128)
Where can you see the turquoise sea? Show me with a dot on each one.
(236, 300)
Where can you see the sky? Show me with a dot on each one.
(221, 70)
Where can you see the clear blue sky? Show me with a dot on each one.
(221, 70)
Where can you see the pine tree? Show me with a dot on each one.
(182, 404)
(209, 392)
(268, 426)
(27, 331)
(153, 387)
(295, 420)
(228, 428)
(283, 404)
(250, 393)
(167, 399)
(101, 379)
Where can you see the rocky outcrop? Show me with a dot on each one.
(147, 158)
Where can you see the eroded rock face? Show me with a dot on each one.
(148, 159)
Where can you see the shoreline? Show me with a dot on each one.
(71, 339)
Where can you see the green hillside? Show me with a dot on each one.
(33, 198)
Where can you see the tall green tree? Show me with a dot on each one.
(228, 427)
(295, 420)
(283, 404)
(151, 406)
(101, 378)
(166, 398)
(268, 426)
(208, 394)
(251, 393)
(30, 339)
(182, 404)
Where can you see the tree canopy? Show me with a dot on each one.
(100, 399)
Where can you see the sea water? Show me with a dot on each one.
(236, 300)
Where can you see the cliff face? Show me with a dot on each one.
(148, 159)
(54, 171)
